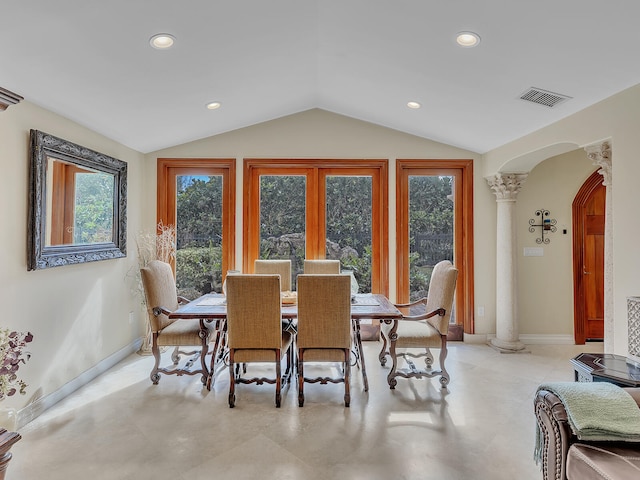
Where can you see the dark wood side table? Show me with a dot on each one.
(605, 367)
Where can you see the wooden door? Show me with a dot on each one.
(588, 262)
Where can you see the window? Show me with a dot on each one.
(197, 196)
(319, 209)
(434, 200)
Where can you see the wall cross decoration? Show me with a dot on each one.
(547, 225)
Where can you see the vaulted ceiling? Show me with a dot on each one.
(92, 63)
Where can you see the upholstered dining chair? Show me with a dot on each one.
(254, 329)
(281, 267)
(161, 299)
(324, 328)
(423, 331)
(318, 267)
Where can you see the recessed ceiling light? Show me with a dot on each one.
(413, 105)
(468, 39)
(213, 105)
(162, 41)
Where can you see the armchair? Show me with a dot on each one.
(162, 299)
(424, 331)
(324, 327)
(564, 457)
(254, 329)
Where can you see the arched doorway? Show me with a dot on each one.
(588, 216)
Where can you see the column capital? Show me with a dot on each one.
(600, 155)
(506, 186)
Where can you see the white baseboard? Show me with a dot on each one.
(35, 409)
(540, 339)
(535, 339)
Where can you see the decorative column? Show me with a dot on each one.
(506, 187)
(600, 154)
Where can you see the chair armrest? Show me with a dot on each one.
(157, 311)
(439, 311)
(411, 304)
(556, 434)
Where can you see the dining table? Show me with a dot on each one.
(213, 307)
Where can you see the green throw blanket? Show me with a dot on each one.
(596, 411)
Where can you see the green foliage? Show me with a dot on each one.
(199, 211)
(282, 205)
(361, 266)
(198, 271)
(430, 209)
(282, 227)
(419, 277)
(348, 198)
(93, 222)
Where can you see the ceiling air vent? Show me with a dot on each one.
(543, 97)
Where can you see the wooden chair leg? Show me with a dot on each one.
(203, 360)
(232, 382)
(428, 359)
(278, 379)
(155, 376)
(391, 380)
(175, 356)
(347, 378)
(444, 376)
(300, 361)
(382, 356)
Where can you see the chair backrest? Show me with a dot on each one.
(326, 267)
(324, 311)
(254, 318)
(159, 291)
(281, 267)
(442, 287)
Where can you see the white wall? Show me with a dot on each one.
(78, 314)
(545, 284)
(618, 120)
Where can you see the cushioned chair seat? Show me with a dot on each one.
(324, 355)
(416, 334)
(587, 461)
(183, 332)
(261, 355)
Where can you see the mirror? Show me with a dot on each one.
(77, 209)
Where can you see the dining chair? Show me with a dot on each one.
(161, 299)
(254, 329)
(281, 267)
(422, 331)
(324, 328)
(317, 267)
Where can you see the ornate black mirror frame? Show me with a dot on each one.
(40, 255)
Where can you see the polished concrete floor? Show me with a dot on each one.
(120, 426)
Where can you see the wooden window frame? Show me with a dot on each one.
(316, 171)
(170, 168)
(462, 170)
